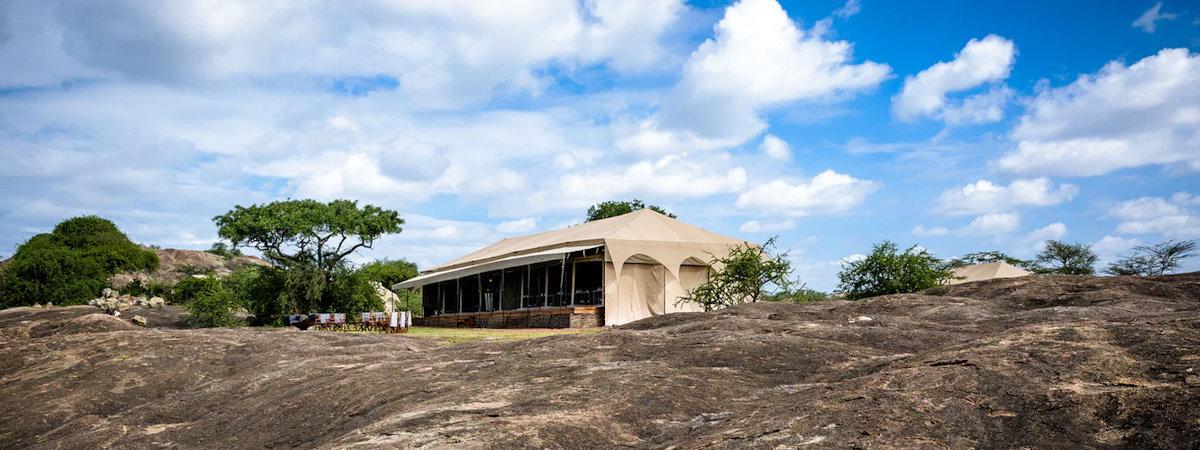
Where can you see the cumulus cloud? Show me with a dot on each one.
(981, 61)
(828, 192)
(1120, 117)
(517, 226)
(1110, 247)
(922, 230)
(758, 59)
(442, 53)
(775, 148)
(992, 224)
(1176, 217)
(983, 196)
(1148, 21)
(756, 226)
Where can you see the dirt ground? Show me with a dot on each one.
(1044, 362)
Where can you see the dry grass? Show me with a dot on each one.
(461, 335)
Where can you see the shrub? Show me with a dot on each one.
(214, 307)
(71, 264)
(887, 270)
(801, 295)
(188, 288)
(1061, 258)
(149, 289)
(749, 273)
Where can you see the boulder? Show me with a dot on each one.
(109, 293)
(156, 302)
(139, 321)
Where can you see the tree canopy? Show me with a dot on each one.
(747, 274)
(71, 264)
(1152, 260)
(1062, 258)
(612, 208)
(991, 257)
(307, 232)
(887, 270)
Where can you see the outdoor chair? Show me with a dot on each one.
(365, 322)
(324, 321)
(339, 321)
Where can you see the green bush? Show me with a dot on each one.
(188, 288)
(749, 273)
(71, 264)
(224, 250)
(149, 289)
(802, 295)
(214, 307)
(887, 270)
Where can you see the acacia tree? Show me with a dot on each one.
(1151, 260)
(991, 257)
(1063, 258)
(747, 274)
(604, 210)
(307, 233)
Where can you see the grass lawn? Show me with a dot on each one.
(461, 335)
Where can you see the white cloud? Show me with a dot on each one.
(851, 8)
(828, 192)
(443, 52)
(517, 226)
(1176, 217)
(775, 148)
(1055, 230)
(1148, 21)
(759, 59)
(755, 226)
(1109, 248)
(1121, 117)
(993, 224)
(985, 197)
(981, 61)
(921, 230)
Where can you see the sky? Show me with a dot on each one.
(956, 126)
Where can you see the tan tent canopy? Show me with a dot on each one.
(988, 271)
(645, 238)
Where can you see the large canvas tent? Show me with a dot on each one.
(986, 271)
(632, 266)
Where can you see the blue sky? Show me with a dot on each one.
(958, 126)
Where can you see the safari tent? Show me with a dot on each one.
(988, 271)
(606, 272)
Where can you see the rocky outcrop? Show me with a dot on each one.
(1032, 362)
(112, 302)
(174, 264)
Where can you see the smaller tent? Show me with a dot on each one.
(987, 271)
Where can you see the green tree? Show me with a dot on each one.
(388, 272)
(749, 273)
(887, 270)
(307, 233)
(1153, 260)
(308, 242)
(1062, 258)
(991, 257)
(224, 250)
(608, 209)
(71, 264)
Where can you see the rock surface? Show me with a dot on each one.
(174, 264)
(1060, 362)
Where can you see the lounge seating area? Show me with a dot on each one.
(393, 322)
